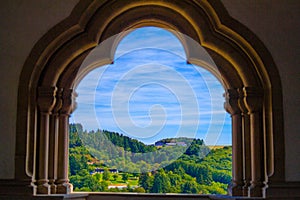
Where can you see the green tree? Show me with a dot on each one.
(146, 181)
(115, 176)
(76, 181)
(176, 181)
(125, 177)
(221, 176)
(194, 149)
(180, 171)
(139, 190)
(97, 176)
(91, 183)
(104, 186)
(161, 182)
(106, 175)
(204, 175)
(74, 165)
(83, 172)
(190, 187)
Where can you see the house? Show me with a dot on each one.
(119, 186)
(171, 144)
(159, 144)
(183, 144)
(101, 170)
(114, 171)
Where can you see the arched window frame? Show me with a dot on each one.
(253, 90)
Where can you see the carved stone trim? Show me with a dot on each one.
(68, 105)
(231, 106)
(246, 143)
(68, 102)
(53, 142)
(253, 100)
(46, 102)
(46, 99)
(231, 101)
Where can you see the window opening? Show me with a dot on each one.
(150, 122)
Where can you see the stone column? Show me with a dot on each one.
(46, 102)
(246, 143)
(68, 102)
(253, 100)
(53, 142)
(232, 107)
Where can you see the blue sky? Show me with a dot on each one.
(150, 93)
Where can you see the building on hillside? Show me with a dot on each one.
(101, 170)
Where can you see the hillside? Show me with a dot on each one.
(109, 161)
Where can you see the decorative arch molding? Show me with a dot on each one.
(253, 89)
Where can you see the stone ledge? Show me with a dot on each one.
(285, 190)
(141, 196)
(21, 190)
(16, 187)
(46, 197)
(225, 197)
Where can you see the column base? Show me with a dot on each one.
(43, 188)
(53, 188)
(246, 189)
(235, 190)
(64, 188)
(256, 190)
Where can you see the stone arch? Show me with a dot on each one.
(253, 88)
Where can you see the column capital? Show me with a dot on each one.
(242, 105)
(253, 98)
(231, 101)
(46, 98)
(58, 104)
(68, 101)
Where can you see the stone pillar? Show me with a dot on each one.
(46, 102)
(53, 142)
(246, 143)
(232, 107)
(68, 102)
(253, 100)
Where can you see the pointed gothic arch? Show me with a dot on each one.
(253, 88)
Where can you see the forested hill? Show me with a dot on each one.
(128, 143)
(109, 161)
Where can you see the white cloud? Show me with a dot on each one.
(151, 91)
